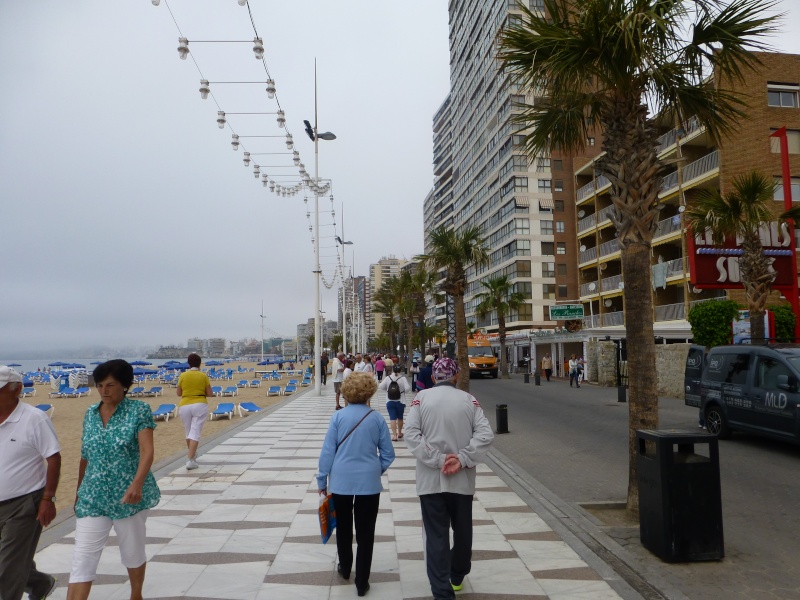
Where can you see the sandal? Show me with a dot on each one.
(394, 439)
(400, 436)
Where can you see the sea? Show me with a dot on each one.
(32, 364)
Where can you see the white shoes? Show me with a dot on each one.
(191, 464)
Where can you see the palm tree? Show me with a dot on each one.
(455, 253)
(740, 212)
(617, 66)
(385, 302)
(499, 297)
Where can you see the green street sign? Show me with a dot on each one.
(566, 311)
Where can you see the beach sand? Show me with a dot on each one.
(169, 436)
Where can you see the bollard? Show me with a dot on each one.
(622, 393)
(501, 411)
(527, 378)
(537, 379)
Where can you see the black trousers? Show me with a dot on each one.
(19, 535)
(324, 374)
(445, 564)
(364, 511)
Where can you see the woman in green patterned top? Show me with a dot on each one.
(115, 485)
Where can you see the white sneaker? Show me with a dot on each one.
(191, 464)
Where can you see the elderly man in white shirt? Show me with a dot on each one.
(30, 465)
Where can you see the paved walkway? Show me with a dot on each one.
(244, 527)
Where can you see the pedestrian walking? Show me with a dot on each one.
(379, 367)
(425, 377)
(449, 435)
(574, 371)
(395, 386)
(30, 466)
(355, 453)
(337, 369)
(323, 362)
(547, 366)
(194, 387)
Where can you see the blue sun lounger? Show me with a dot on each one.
(223, 410)
(47, 409)
(274, 390)
(154, 391)
(255, 383)
(229, 391)
(28, 392)
(289, 389)
(216, 390)
(248, 408)
(164, 411)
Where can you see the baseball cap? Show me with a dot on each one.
(429, 359)
(444, 368)
(9, 375)
(397, 368)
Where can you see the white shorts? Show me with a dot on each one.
(194, 417)
(91, 535)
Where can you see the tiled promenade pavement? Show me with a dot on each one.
(244, 526)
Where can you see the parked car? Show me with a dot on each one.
(746, 388)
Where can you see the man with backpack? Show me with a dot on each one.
(395, 386)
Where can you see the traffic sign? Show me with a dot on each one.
(566, 311)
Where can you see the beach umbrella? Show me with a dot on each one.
(140, 363)
(13, 365)
(214, 363)
(140, 371)
(73, 366)
(57, 364)
(97, 362)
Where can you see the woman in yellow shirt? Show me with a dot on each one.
(194, 387)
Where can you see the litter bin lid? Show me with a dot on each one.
(676, 434)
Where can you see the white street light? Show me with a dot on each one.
(221, 119)
(246, 159)
(270, 88)
(256, 171)
(296, 158)
(258, 48)
(289, 141)
(235, 141)
(183, 47)
(281, 118)
(204, 89)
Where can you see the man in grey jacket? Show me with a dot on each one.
(449, 435)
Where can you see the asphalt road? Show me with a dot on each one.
(574, 441)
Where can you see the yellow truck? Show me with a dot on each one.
(482, 360)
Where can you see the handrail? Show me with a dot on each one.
(610, 284)
(609, 247)
(613, 318)
(587, 255)
(668, 226)
(670, 312)
(587, 222)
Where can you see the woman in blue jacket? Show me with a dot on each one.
(356, 452)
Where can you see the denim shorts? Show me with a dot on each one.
(395, 409)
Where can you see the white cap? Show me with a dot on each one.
(9, 375)
(429, 359)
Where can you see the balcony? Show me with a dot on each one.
(604, 214)
(587, 223)
(613, 318)
(589, 289)
(609, 247)
(668, 226)
(590, 322)
(673, 268)
(589, 189)
(665, 141)
(702, 166)
(587, 255)
(610, 284)
(669, 181)
(670, 312)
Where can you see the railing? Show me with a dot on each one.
(699, 167)
(604, 213)
(673, 267)
(587, 289)
(609, 247)
(610, 284)
(590, 321)
(693, 303)
(665, 141)
(587, 222)
(668, 226)
(670, 312)
(614, 318)
(669, 181)
(587, 190)
(587, 255)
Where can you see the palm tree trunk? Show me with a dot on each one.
(461, 342)
(501, 327)
(757, 284)
(409, 343)
(642, 380)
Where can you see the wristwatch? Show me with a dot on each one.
(49, 499)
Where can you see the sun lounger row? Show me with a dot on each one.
(243, 383)
(154, 391)
(225, 409)
(69, 392)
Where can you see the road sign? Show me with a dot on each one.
(566, 311)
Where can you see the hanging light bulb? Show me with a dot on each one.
(258, 48)
(204, 89)
(242, 2)
(256, 170)
(281, 119)
(270, 88)
(302, 169)
(271, 186)
(289, 141)
(264, 179)
(183, 47)
(296, 158)
(246, 159)
(235, 141)
(221, 119)
(156, 2)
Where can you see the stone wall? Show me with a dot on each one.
(670, 363)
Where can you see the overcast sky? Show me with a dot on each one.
(127, 217)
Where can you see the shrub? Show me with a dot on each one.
(711, 322)
(784, 322)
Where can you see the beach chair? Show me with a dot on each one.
(216, 390)
(305, 382)
(83, 391)
(293, 382)
(289, 389)
(255, 383)
(247, 408)
(274, 390)
(67, 392)
(242, 383)
(47, 409)
(164, 411)
(223, 410)
(137, 391)
(154, 391)
(28, 392)
(276, 376)
(231, 390)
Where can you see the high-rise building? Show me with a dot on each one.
(353, 304)
(483, 176)
(379, 273)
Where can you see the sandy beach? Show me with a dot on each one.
(169, 436)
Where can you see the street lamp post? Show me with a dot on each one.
(344, 289)
(262, 331)
(315, 137)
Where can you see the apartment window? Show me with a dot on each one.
(558, 205)
(549, 291)
(525, 288)
(782, 95)
(559, 226)
(542, 165)
(558, 185)
(518, 140)
(536, 5)
(548, 248)
(545, 186)
(523, 226)
(793, 139)
(547, 227)
(549, 269)
(562, 269)
(795, 189)
(523, 268)
(558, 165)
(561, 248)
(562, 291)
(521, 183)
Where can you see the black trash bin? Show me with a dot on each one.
(527, 377)
(501, 414)
(680, 501)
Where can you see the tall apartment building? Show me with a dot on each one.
(772, 95)
(354, 297)
(379, 272)
(482, 175)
